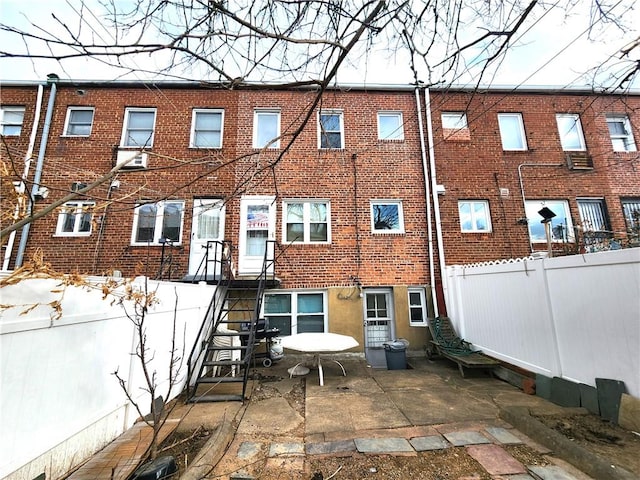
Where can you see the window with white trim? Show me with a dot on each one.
(474, 216)
(138, 128)
(390, 126)
(561, 225)
(417, 307)
(621, 134)
(206, 128)
(570, 131)
(79, 122)
(306, 222)
(512, 131)
(266, 128)
(296, 312)
(11, 119)
(155, 223)
(330, 129)
(74, 219)
(386, 216)
(454, 120)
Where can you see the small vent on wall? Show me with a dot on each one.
(579, 161)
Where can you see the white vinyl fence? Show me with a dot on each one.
(59, 399)
(575, 317)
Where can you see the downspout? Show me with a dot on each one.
(434, 193)
(25, 174)
(51, 79)
(427, 189)
(524, 200)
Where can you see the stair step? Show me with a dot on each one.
(222, 363)
(215, 348)
(216, 398)
(240, 333)
(207, 380)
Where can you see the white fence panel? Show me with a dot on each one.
(59, 399)
(576, 317)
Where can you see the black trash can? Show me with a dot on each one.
(396, 354)
(160, 468)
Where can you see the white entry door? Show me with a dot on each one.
(207, 226)
(379, 325)
(257, 225)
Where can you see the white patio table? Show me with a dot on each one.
(318, 343)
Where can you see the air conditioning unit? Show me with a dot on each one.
(579, 161)
(132, 159)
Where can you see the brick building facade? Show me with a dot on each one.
(343, 191)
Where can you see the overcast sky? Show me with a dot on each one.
(552, 50)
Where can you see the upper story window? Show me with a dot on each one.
(206, 128)
(296, 312)
(330, 129)
(570, 131)
(79, 122)
(417, 307)
(561, 226)
(306, 222)
(154, 223)
(454, 120)
(390, 126)
(512, 131)
(474, 216)
(74, 219)
(266, 129)
(620, 132)
(386, 216)
(138, 128)
(11, 119)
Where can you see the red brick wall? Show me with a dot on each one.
(478, 168)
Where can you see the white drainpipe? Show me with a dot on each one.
(39, 166)
(427, 188)
(434, 194)
(25, 174)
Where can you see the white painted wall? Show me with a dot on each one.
(575, 317)
(59, 399)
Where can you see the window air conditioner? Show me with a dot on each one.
(579, 161)
(132, 159)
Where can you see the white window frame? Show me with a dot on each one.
(534, 219)
(398, 133)
(68, 121)
(376, 203)
(474, 216)
(266, 113)
(125, 127)
(507, 134)
(422, 306)
(294, 314)
(306, 221)
(627, 140)
(4, 109)
(567, 123)
(157, 233)
(340, 115)
(454, 120)
(193, 141)
(78, 210)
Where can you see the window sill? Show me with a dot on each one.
(71, 235)
(193, 147)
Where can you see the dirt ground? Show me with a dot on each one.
(601, 437)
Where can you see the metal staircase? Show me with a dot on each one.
(219, 363)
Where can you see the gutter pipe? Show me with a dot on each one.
(427, 190)
(25, 174)
(52, 79)
(434, 194)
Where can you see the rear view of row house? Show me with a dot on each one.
(335, 182)
(365, 193)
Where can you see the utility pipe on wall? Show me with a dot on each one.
(434, 193)
(52, 79)
(25, 174)
(425, 171)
